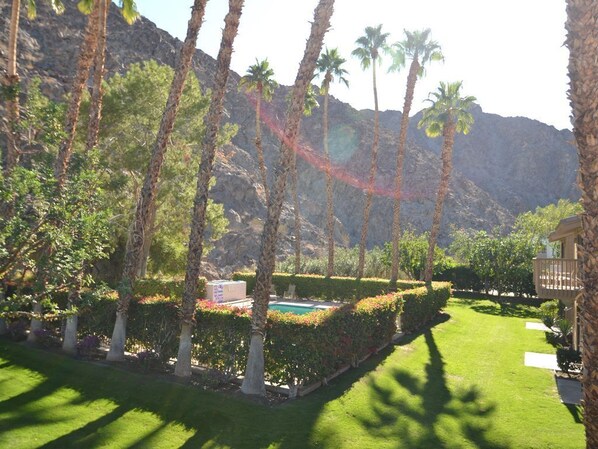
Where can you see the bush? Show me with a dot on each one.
(327, 289)
(299, 349)
(549, 312)
(462, 277)
(568, 359)
(420, 306)
(88, 346)
(166, 287)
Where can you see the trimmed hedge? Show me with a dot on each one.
(299, 349)
(335, 288)
(166, 287)
(420, 306)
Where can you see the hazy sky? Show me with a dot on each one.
(508, 53)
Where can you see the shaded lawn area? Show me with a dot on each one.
(460, 384)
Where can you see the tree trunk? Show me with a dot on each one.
(86, 56)
(11, 85)
(253, 383)
(582, 41)
(396, 211)
(258, 144)
(372, 178)
(329, 184)
(148, 192)
(95, 111)
(297, 221)
(447, 166)
(200, 204)
(69, 344)
(36, 325)
(147, 241)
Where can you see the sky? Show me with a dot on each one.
(510, 54)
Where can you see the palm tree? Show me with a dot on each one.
(86, 57)
(95, 111)
(421, 51)
(198, 217)
(583, 66)
(11, 81)
(309, 104)
(368, 52)
(259, 79)
(147, 196)
(253, 383)
(330, 65)
(447, 116)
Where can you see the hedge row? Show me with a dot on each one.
(334, 288)
(299, 349)
(166, 287)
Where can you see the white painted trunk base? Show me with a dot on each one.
(117, 342)
(183, 360)
(69, 344)
(36, 325)
(253, 383)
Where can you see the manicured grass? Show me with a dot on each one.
(459, 384)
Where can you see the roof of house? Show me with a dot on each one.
(567, 226)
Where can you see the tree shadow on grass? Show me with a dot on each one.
(506, 309)
(576, 412)
(426, 413)
(210, 418)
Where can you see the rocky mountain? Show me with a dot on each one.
(503, 167)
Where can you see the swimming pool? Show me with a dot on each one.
(297, 309)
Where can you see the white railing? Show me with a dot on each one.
(557, 278)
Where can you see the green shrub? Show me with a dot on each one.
(549, 312)
(463, 277)
(327, 289)
(420, 306)
(298, 349)
(166, 287)
(568, 359)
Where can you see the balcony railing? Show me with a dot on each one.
(557, 278)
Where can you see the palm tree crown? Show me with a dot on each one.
(56, 5)
(259, 78)
(128, 9)
(330, 65)
(447, 106)
(417, 47)
(369, 45)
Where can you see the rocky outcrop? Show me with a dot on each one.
(503, 167)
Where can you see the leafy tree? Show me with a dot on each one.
(330, 67)
(536, 226)
(421, 50)
(253, 383)
(368, 52)
(447, 116)
(133, 108)
(413, 250)
(259, 78)
(204, 175)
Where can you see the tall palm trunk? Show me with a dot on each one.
(86, 57)
(198, 219)
(371, 180)
(297, 214)
(258, 143)
(396, 211)
(448, 135)
(147, 196)
(329, 185)
(253, 383)
(95, 114)
(11, 86)
(582, 41)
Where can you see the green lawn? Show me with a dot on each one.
(461, 384)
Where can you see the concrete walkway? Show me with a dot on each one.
(537, 326)
(569, 390)
(538, 360)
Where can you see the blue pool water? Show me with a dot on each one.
(297, 310)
